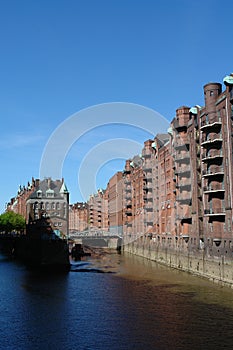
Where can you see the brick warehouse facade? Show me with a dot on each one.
(178, 191)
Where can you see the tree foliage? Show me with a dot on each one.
(10, 221)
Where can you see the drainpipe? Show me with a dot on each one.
(229, 151)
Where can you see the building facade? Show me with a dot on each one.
(47, 208)
(78, 217)
(45, 205)
(114, 198)
(98, 212)
(179, 190)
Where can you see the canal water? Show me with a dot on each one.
(112, 302)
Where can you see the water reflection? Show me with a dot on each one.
(134, 304)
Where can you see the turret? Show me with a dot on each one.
(211, 92)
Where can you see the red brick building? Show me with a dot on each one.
(78, 217)
(179, 191)
(115, 203)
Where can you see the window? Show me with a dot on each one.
(49, 193)
(39, 194)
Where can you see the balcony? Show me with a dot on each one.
(216, 188)
(147, 198)
(214, 212)
(216, 171)
(185, 199)
(146, 155)
(147, 168)
(128, 196)
(149, 223)
(128, 189)
(212, 155)
(149, 186)
(206, 124)
(149, 209)
(183, 170)
(182, 157)
(210, 140)
(127, 182)
(149, 178)
(181, 142)
(180, 124)
(184, 185)
(128, 213)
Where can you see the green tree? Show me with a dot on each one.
(10, 221)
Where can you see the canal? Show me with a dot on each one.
(112, 302)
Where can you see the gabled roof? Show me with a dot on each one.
(46, 186)
(63, 188)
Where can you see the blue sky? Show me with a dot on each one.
(59, 57)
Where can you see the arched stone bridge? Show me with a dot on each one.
(98, 239)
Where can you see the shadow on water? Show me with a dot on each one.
(87, 267)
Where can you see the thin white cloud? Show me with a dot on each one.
(18, 140)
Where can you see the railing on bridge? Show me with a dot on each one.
(92, 234)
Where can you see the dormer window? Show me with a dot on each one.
(49, 193)
(39, 194)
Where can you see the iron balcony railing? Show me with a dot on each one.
(214, 188)
(215, 211)
(213, 171)
(212, 139)
(212, 154)
(205, 124)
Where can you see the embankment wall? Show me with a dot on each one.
(215, 268)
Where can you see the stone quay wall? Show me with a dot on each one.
(215, 268)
